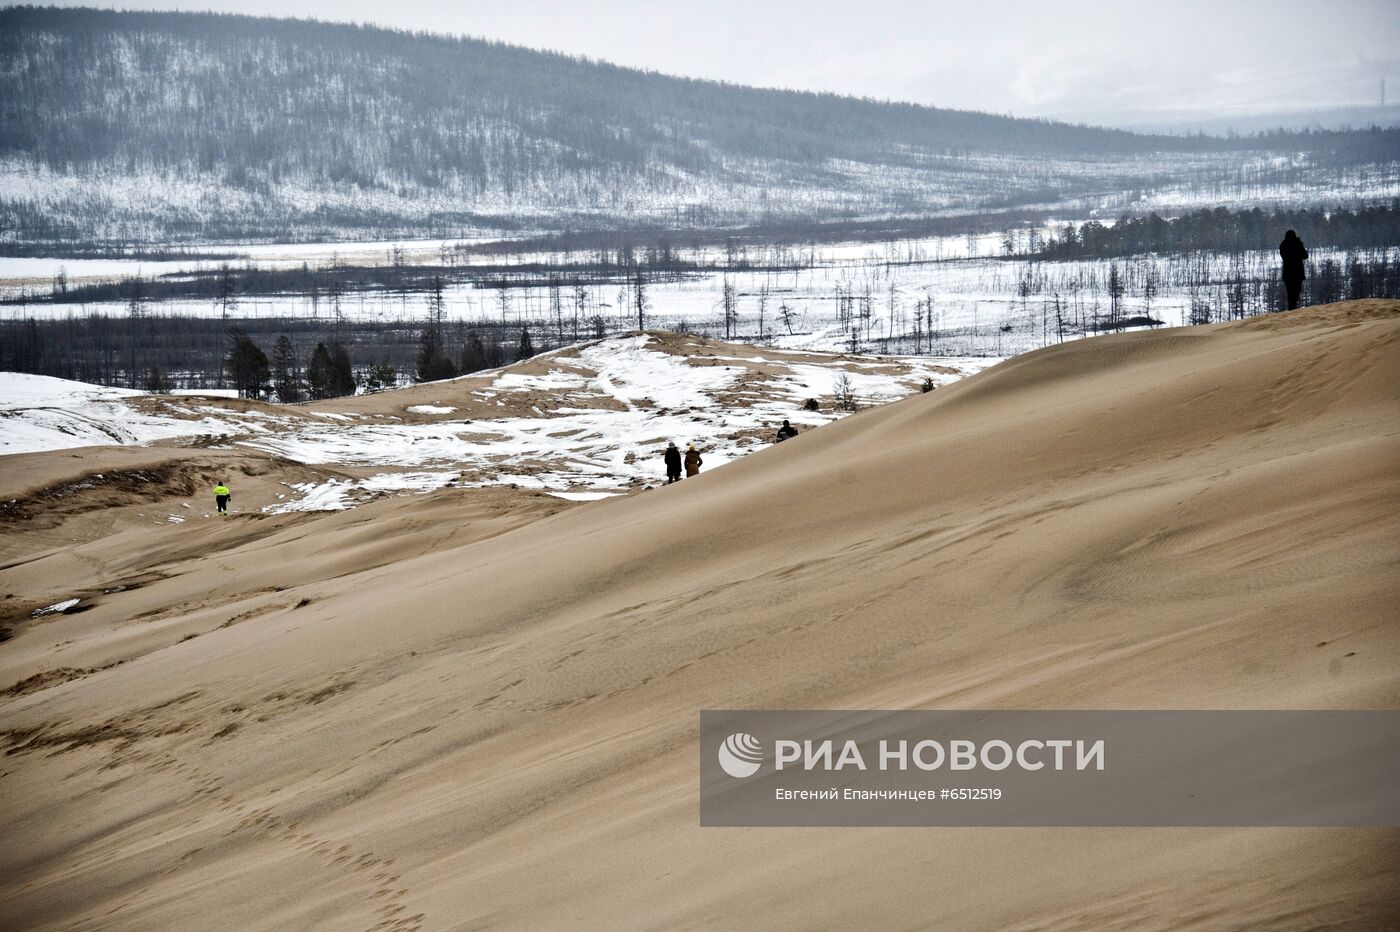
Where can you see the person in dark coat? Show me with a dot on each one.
(786, 431)
(692, 461)
(673, 464)
(1294, 254)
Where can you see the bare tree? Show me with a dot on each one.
(580, 304)
(1115, 295)
(844, 393)
(503, 299)
(892, 309)
(1150, 284)
(556, 305)
(336, 293)
(227, 292)
(730, 303)
(639, 297)
(136, 309)
(433, 361)
(787, 315)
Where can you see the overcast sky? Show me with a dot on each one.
(1094, 60)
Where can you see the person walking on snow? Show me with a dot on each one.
(1294, 254)
(786, 431)
(221, 497)
(692, 461)
(673, 463)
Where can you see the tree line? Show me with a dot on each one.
(328, 286)
(1217, 230)
(286, 359)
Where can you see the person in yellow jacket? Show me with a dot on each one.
(221, 497)
(692, 461)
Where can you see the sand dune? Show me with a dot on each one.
(441, 712)
(589, 419)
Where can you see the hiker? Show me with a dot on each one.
(692, 461)
(221, 497)
(1294, 254)
(673, 463)
(786, 431)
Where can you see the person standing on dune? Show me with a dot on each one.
(692, 461)
(1294, 254)
(786, 432)
(673, 463)
(221, 497)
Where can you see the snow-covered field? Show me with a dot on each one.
(582, 422)
(952, 289)
(18, 273)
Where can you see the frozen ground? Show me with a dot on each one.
(952, 289)
(582, 422)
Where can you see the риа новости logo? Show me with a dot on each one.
(741, 755)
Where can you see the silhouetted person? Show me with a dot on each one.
(673, 464)
(786, 431)
(1295, 255)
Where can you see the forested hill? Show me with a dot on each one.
(135, 125)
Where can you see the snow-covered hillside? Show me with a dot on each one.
(42, 413)
(176, 127)
(581, 422)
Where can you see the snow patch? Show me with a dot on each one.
(341, 494)
(205, 392)
(550, 381)
(57, 608)
(584, 496)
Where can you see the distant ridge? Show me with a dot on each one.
(136, 126)
(1324, 119)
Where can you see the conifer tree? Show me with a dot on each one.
(246, 364)
(473, 355)
(286, 375)
(342, 373)
(320, 376)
